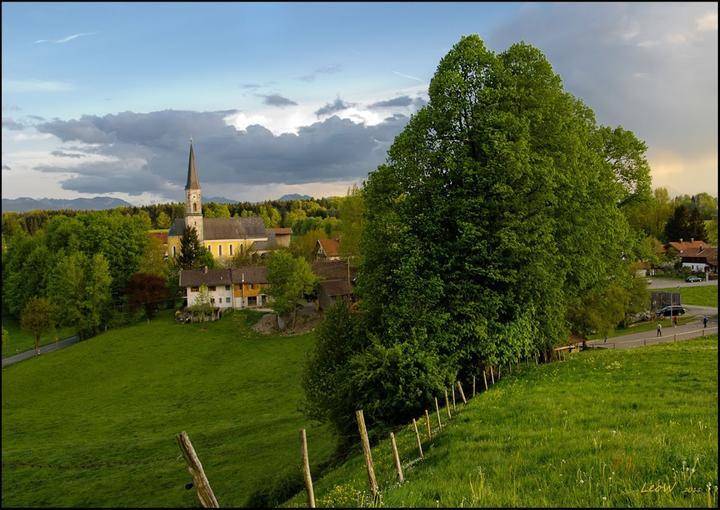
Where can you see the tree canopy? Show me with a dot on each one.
(498, 210)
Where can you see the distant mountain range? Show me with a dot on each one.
(24, 204)
(219, 200)
(295, 196)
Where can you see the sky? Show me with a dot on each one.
(101, 99)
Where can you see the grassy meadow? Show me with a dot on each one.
(615, 428)
(704, 295)
(95, 424)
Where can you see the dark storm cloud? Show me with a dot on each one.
(61, 154)
(147, 152)
(390, 103)
(651, 68)
(8, 123)
(277, 100)
(336, 106)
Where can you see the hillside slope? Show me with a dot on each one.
(95, 424)
(605, 428)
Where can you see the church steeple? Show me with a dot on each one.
(193, 197)
(192, 179)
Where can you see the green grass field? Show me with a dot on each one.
(95, 424)
(633, 427)
(705, 295)
(21, 341)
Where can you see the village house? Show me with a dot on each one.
(222, 237)
(242, 287)
(698, 256)
(327, 249)
(247, 286)
(337, 280)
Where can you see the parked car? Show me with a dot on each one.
(693, 279)
(670, 310)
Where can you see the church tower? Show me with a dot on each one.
(193, 198)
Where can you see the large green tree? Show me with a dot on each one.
(37, 319)
(499, 207)
(190, 248)
(289, 279)
(352, 209)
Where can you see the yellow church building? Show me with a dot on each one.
(223, 237)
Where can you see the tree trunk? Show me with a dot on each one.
(37, 344)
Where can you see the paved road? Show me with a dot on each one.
(10, 360)
(669, 334)
(666, 283)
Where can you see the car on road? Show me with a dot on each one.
(670, 310)
(693, 279)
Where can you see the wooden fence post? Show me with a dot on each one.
(485, 379)
(437, 410)
(447, 404)
(452, 387)
(492, 375)
(396, 456)
(202, 486)
(427, 422)
(417, 436)
(306, 469)
(366, 452)
(473, 387)
(462, 393)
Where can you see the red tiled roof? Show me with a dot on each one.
(162, 236)
(332, 270)
(336, 288)
(331, 247)
(707, 252)
(686, 245)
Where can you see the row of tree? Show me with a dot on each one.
(300, 215)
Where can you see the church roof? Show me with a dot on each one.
(225, 228)
(192, 180)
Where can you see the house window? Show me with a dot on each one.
(194, 289)
(227, 287)
(251, 286)
(211, 288)
(212, 300)
(173, 251)
(231, 250)
(220, 250)
(227, 299)
(210, 248)
(194, 206)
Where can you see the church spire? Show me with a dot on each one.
(192, 179)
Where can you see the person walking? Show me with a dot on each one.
(705, 321)
(659, 330)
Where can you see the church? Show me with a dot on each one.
(222, 237)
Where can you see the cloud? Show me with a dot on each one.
(8, 123)
(707, 22)
(249, 85)
(61, 154)
(5, 167)
(673, 108)
(65, 39)
(336, 106)
(147, 152)
(277, 100)
(330, 69)
(409, 77)
(10, 108)
(396, 101)
(35, 86)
